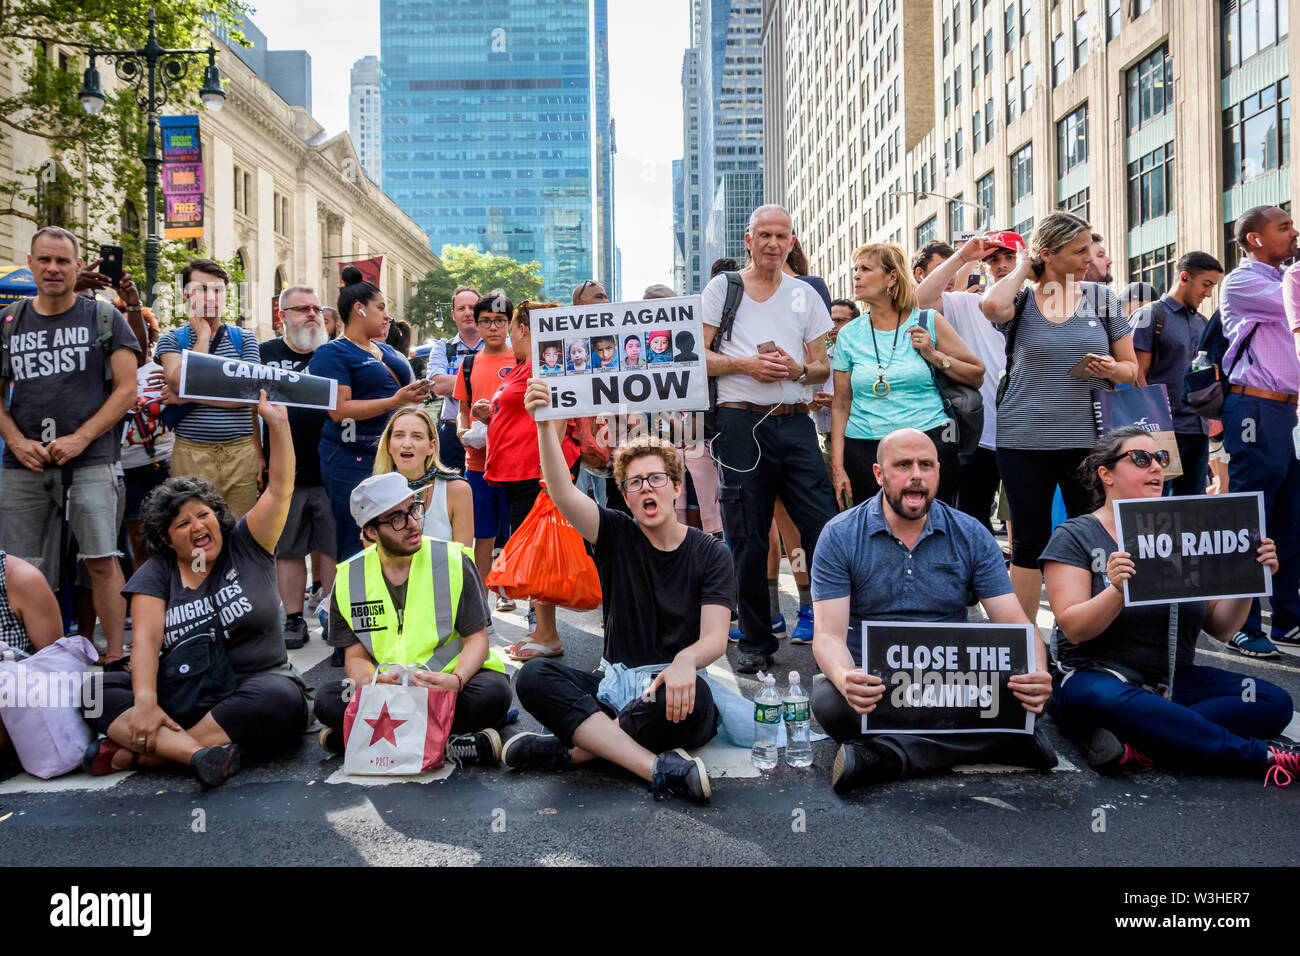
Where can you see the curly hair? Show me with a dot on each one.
(162, 505)
(1103, 455)
(641, 447)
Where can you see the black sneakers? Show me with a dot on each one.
(529, 751)
(213, 765)
(331, 740)
(750, 663)
(677, 772)
(858, 763)
(295, 632)
(483, 748)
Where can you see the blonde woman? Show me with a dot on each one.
(884, 368)
(409, 446)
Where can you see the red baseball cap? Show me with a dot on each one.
(1007, 240)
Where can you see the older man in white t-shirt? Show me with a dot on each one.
(765, 442)
(996, 253)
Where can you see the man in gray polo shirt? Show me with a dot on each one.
(902, 556)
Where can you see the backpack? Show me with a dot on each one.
(172, 414)
(961, 403)
(14, 311)
(730, 306)
(1204, 389)
(466, 367)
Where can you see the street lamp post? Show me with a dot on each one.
(923, 193)
(152, 70)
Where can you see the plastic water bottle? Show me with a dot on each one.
(1202, 361)
(797, 715)
(767, 718)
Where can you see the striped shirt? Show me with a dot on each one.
(1044, 407)
(204, 423)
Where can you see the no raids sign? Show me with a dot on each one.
(614, 358)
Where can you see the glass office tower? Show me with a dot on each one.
(497, 134)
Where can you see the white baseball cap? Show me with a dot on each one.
(377, 494)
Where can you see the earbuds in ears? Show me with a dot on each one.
(1258, 243)
(363, 312)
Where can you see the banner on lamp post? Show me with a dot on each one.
(182, 177)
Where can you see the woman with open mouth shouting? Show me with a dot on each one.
(409, 446)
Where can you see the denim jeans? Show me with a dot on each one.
(1218, 721)
(341, 470)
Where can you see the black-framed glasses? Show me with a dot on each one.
(493, 323)
(1142, 458)
(656, 479)
(398, 521)
(304, 309)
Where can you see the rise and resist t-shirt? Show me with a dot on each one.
(304, 423)
(58, 377)
(487, 373)
(238, 600)
(204, 423)
(653, 598)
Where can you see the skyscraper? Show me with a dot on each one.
(497, 130)
(364, 113)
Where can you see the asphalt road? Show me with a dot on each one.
(286, 813)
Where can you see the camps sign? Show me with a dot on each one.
(613, 358)
(213, 378)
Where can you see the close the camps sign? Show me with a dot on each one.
(947, 678)
(612, 358)
(213, 378)
(1193, 548)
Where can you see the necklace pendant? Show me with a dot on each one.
(880, 388)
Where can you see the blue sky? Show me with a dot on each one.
(645, 46)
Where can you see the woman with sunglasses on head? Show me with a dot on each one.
(1111, 688)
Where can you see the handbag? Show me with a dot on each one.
(1147, 407)
(194, 675)
(48, 732)
(547, 561)
(961, 403)
(399, 728)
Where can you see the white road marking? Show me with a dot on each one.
(371, 780)
(69, 782)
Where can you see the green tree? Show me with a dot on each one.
(465, 265)
(93, 172)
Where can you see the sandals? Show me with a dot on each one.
(514, 651)
(98, 761)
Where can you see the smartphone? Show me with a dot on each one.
(1080, 370)
(110, 263)
(766, 347)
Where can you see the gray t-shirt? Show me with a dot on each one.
(238, 599)
(58, 370)
(1045, 408)
(203, 423)
(1179, 342)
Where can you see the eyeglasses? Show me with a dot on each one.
(1142, 458)
(398, 521)
(493, 323)
(304, 309)
(656, 479)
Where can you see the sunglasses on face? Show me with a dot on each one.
(1143, 458)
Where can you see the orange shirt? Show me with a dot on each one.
(487, 375)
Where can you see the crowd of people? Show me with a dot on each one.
(208, 530)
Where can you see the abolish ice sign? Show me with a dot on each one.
(613, 358)
(1193, 548)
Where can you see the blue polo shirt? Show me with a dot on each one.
(955, 563)
(1179, 342)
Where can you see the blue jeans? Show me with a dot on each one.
(341, 470)
(781, 458)
(593, 486)
(1257, 434)
(1208, 727)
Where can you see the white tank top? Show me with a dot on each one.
(437, 522)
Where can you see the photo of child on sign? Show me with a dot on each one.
(658, 344)
(552, 358)
(605, 349)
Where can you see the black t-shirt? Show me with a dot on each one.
(238, 599)
(1139, 637)
(304, 423)
(58, 375)
(653, 598)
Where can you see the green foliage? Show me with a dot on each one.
(465, 265)
(96, 169)
(170, 306)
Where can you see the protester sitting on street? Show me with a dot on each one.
(30, 618)
(937, 558)
(431, 612)
(1045, 417)
(203, 606)
(884, 374)
(409, 446)
(1113, 689)
(214, 440)
(656, 636)
(373, 380)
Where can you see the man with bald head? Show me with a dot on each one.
(902, 556)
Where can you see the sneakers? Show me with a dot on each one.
(778, 624)
(336, 659)
(331, 740)
(313, 599)
(753, 663)
(858, 763)
(1253, 644)
(295, 632)
(678, 773)
(803, 628)
(529, 751)
(212, 766)
(1107, 754)
(532, 622)
(1285, 763)
(1291, 638)
(483, 748)
(504, 603)
(778, 627)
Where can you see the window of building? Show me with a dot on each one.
(1250, 27)
(1027, 87)
(947, 37)
(988, 121)
(1257, 134)
(927, 231)
(1078, 203)
(1155, 267)
(1009, 18)
(956, 224)
(975, 132)
(1150, 88)
(1151, 186)
(1140, 7)
(1072, 140)
(1025, 227)
(988, 52)
(947, 157)
(975, 63)
(1058, 59)
(957, 151)
(1026, 15)
(1022, 173)
(947, 97)
(956, 23)
(1081, 39)
(956, 88)
(984, 196)
(1114, 18)
(1012, 85)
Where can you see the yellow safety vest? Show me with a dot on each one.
(425, 632)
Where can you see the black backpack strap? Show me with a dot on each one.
(1022, 299)
(9, 319)
(1158, 313)
(466, 367)
(730, 306)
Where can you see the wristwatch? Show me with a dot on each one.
(947, 363)
(803, 376)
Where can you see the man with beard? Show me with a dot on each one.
(1098, 263)
(902, 556)
(309, 528)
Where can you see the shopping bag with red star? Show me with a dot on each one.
(399, 728)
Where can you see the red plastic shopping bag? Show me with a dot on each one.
(546, 561)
